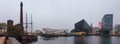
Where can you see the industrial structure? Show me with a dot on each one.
(21, 19)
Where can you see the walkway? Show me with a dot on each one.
(12, 40)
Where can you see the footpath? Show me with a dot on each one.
(10, 40)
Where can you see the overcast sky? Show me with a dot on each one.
(61, 14)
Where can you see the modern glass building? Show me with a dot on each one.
(82, 27)
(107, 23)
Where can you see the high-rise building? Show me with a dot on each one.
(107, 23)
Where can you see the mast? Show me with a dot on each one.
(26, 23)
(31, 24)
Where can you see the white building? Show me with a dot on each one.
(55, 31)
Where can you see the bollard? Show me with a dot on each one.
(3, 40)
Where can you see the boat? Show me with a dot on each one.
(29, 38)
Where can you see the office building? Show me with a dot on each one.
(82, 27)
(107, 23)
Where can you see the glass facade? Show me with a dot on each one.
(107, 22)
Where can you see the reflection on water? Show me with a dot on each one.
(78, 40)
(92, 40)
(105, 40)
(49, 38)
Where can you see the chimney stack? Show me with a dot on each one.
(21, 18)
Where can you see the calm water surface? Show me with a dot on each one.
(79, 40)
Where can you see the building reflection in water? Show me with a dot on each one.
(105, 40)
(79, 40)
(49, 38)
(92, 40)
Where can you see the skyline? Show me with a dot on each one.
(61, 14)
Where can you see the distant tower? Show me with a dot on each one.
(21, 18)
(91, 26)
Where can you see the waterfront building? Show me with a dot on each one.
(3, 28)
(100, 25)
(81, 27)
(17, 29)
(38, 32)
(9, 26)
(107, 24)
(117, 29)
(12, 29)
(95, 30)
(54, 31)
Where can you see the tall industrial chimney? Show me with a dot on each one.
(21, 18)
